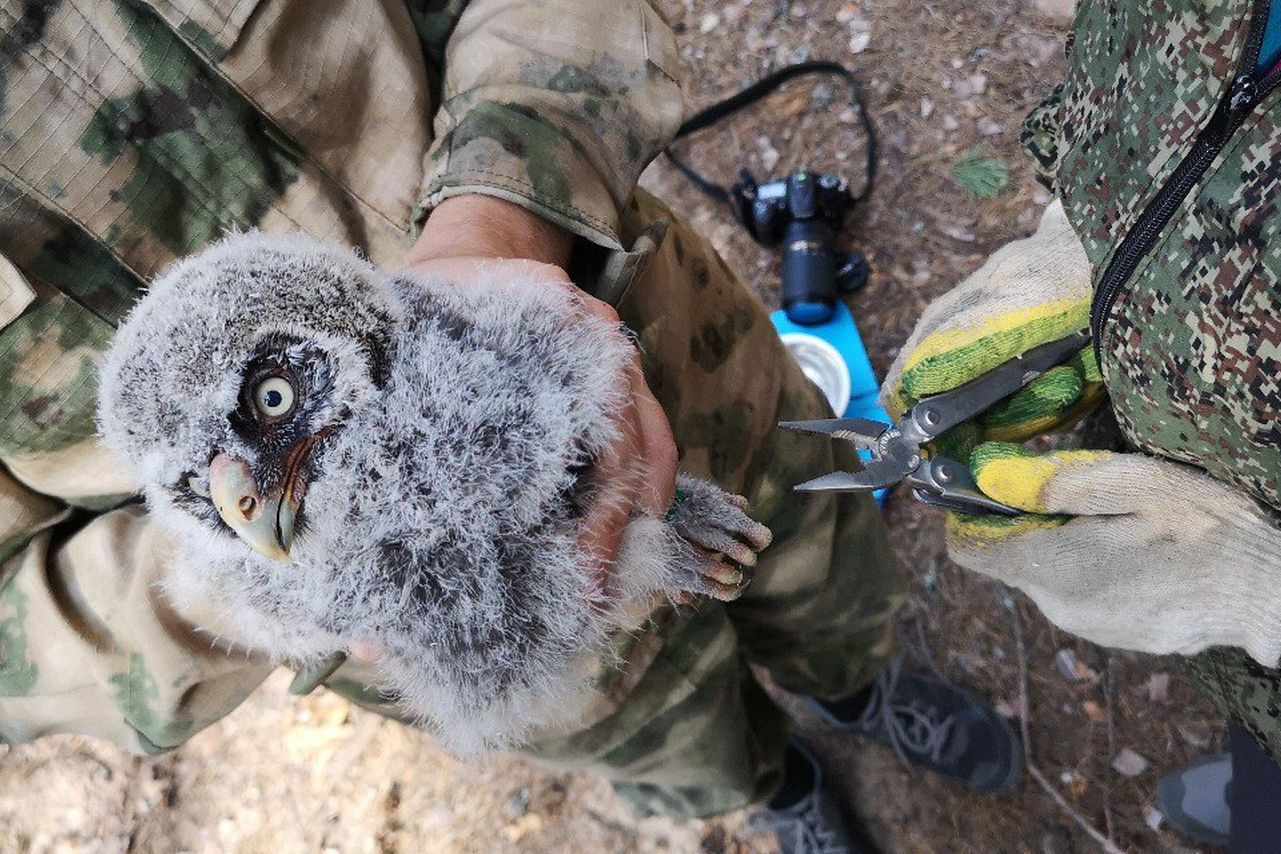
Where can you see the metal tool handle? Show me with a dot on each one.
(944, 482)
(940, 413)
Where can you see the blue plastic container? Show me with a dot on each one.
(842, 333)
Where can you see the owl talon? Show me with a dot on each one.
(722, 592)
(715, 521)
(741, 554)
(758, 535)
(721, 572)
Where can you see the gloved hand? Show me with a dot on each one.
(1124, 549)
(1028, 293)
(1128, 550)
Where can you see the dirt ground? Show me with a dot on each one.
(942, 79)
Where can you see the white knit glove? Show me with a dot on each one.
(1029, 292)
(1148, 554)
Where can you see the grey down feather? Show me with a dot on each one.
(457, 431)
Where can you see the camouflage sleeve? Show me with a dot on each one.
(556, 105)
(88, 643)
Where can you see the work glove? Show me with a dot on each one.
(1030, 292)
(1128, 550)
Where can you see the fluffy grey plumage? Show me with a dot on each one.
(439, 448)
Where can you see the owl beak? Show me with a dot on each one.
(264, 522)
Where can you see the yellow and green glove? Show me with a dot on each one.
(1129, 550)
(1030, 292)
(1126, 550)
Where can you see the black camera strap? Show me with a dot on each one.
(744, 190)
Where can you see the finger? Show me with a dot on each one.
(1016, 476)
(947, 360)
(757, 534)
(740, 502)
(1110, 484)
(616, 484)
(959, 442)
(1055, 399)
(980, 543)
(601, 534)
(657, 452)
(1035, 408)
(654, 443)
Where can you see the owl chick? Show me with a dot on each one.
(350, 459)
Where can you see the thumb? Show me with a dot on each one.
(1075, 483)
(1098, 483)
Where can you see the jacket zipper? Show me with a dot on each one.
(1233, 108)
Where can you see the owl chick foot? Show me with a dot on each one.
(723, 538)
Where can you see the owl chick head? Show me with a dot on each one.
(223, 378)
(351, 459)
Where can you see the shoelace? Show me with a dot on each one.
(816, 835)
(906, 727)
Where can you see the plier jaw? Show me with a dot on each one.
(940, 482)
(892, 457)
(898, 450)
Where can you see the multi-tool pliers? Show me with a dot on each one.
(897, 451)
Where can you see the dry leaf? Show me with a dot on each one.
(1065, 661)
(1129, 764)
(1009, 708)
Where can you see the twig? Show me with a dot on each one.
(1104, 843)
(1109, 686)
(1025, 727)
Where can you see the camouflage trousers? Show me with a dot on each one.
(696, 735)
(89, 646)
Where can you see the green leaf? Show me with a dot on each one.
(981, 175)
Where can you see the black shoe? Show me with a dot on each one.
(1194, 800)
(807, 816)
(935, 724)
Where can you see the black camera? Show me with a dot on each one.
(804, 212)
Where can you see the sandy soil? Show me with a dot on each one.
(942, 78)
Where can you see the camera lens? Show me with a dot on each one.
(809, 272)
(810, 313)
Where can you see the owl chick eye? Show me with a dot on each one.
(197, 486)
(274, 397)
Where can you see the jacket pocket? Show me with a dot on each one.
(660, 45)
(15, 293)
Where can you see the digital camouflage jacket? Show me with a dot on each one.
(1165, 146)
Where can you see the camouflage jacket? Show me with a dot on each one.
(136, 131)
(1165, 146)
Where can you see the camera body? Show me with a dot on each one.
(804, 212)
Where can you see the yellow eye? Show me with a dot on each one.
(274, 397)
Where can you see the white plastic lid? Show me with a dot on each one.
(822, 365)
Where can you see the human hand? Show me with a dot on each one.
(1030, 292)
(1128, 550)
(470, 239)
